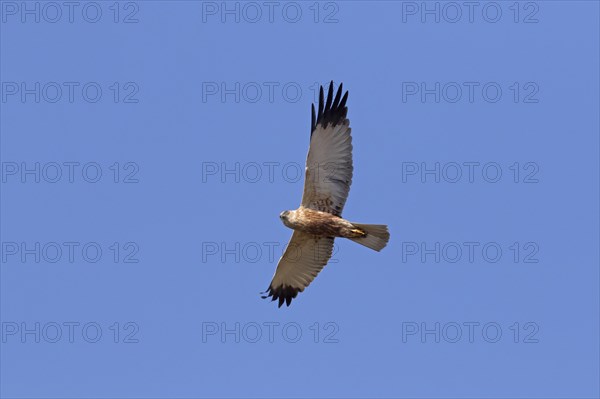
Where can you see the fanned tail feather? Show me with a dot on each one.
(377, 236)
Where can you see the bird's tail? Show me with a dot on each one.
(377, 236)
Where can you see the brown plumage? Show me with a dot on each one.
(320, 223)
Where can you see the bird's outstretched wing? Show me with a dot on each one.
(329, 162)
(302, 260)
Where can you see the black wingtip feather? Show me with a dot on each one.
(330, 112)
(283, 294)
(329, 96)
(320, 114)
(336, 102)
(313, 118)
(343, 103)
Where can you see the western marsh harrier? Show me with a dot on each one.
(318, 220)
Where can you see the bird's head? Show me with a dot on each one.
(284, 216)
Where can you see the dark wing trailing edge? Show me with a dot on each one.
(329, 112)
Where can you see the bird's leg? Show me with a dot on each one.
(358, 232)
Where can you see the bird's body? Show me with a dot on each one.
(320, 223)
(318, 220)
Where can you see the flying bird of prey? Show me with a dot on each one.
(319, 220)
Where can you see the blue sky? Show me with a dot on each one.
(147, 149)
